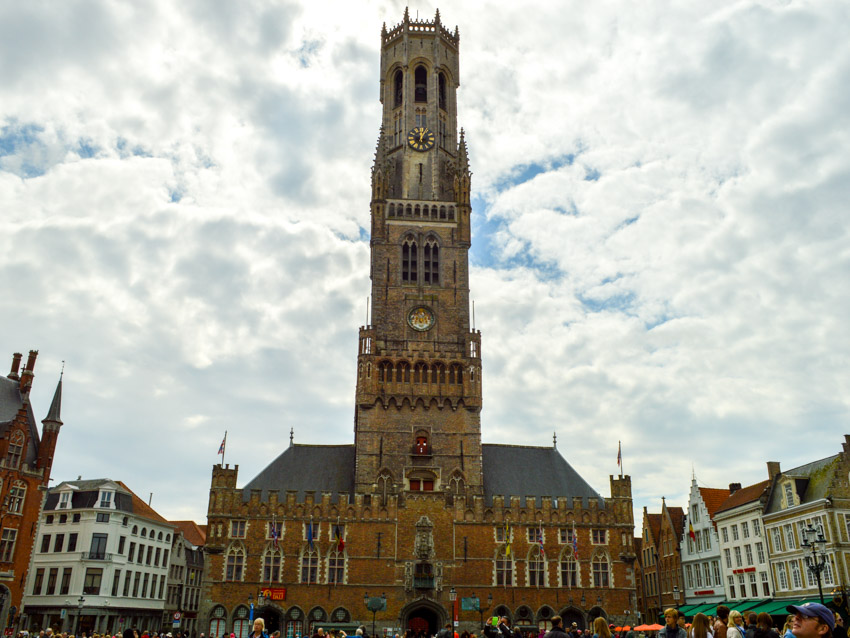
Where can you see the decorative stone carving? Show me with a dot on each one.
(423, 547)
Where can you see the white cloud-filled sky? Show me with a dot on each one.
(661, 233)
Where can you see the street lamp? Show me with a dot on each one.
(80, 602)
(375, 605)
(676, 595)
(453, 598)
(813, 539)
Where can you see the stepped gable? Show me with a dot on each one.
(519, 470)
(812, 481)
(713, 498)
(744, 495)
(306, 468)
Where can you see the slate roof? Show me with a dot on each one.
(192, 532)
(713, 498)
(10, 402)
(304, 468)
(677, 518)
(86, 492)
(812, 482)
(744, 495)
(654, 521)
(509, 470)
(522, 471)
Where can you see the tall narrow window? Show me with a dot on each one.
(569, 570)
(442, 81)
(235, 563)
(409, 262)
(7, 544)
(600, 572)
(431, 262)
(271, 566)
(504, 568)
(420, 84)
(17, 494)
(309, 566)
(536, 569)
(13, 453)
(398, 83)
(336, 566)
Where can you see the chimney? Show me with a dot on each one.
(16, 366)
(734, 487)
(846, 444)
(773, 469)
(28, 374)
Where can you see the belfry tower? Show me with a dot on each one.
(418, 401)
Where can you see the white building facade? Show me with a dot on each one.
(701, 551)
(100, 560)
(743, 543)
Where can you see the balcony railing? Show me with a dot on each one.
(96, 556)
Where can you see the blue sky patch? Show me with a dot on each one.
(307, 51)
(617, 303)
(526, 172)
(591, 175)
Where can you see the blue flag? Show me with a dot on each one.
(310, 534)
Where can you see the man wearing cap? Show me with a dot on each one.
(811, 620)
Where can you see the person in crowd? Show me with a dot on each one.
(764, 627)
(840, 630)
(259, 629)
(557, 630)
(811, 620)
(735, 628)
(721, 624)
(786, 628)
(752, 623)
(700, 628)
(671, 627)
(600, 628)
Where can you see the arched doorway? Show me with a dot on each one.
(272, 618)
(423, 615)
(572, 615)
(594, 613)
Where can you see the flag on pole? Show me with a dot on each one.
(507, 538)
(275, 534)
(540, 540)
(310, 534)
(223, 443)
(691, 532)
(575, 542)
(619, 455)
(340, 543)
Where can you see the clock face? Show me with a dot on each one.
(420, 318)
(421, 139)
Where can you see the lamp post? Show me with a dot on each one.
(453, 598)
(813, 539)
(375, 605)
(480, 609)
(658, 584)
(676, 596)
(80, 602)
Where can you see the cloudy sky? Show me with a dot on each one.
(661, 252)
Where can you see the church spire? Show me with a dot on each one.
(54, 413)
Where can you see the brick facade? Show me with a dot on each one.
(421, 515)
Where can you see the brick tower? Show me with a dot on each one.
(418, 400)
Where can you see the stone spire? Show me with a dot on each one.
(54, 413)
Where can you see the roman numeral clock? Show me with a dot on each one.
(421, 138)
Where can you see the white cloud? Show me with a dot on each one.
(185, 191)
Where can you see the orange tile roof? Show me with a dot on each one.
(744, 495)
(140, 508)
(654, 521)
(713, 498)
(192, 532)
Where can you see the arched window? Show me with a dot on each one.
(398, 84)
(316, 617)
(218, 621)
(159, 536)
(420, 373)
(409, 263)
(421, 445)
(294, 622)
(402, 372)
(17, 495)
(392, 210)
(504, 567)
(420, 84)
(241, 625)
(442, 81)
(15, 450)
(385, 482)
(456, 485)
(439, 375)
(600, 571)
(385, 371)
(340, 614)
(501, 610)
(309, 565)
(569, 569)
(135, 529)
(536, 566)
(431, 262)
(451, 213)
(272, 560)
(336, 566)
(456, 374)
(235, 564)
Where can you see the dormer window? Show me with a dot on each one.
(64, 500)
(789, 495)
(14, 451)
(106, 499)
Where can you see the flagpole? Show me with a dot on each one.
(223, 446)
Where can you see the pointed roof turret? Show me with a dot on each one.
(54, 413)
(406, 15)
(384, 30)
(462, 153)
(437, 17)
